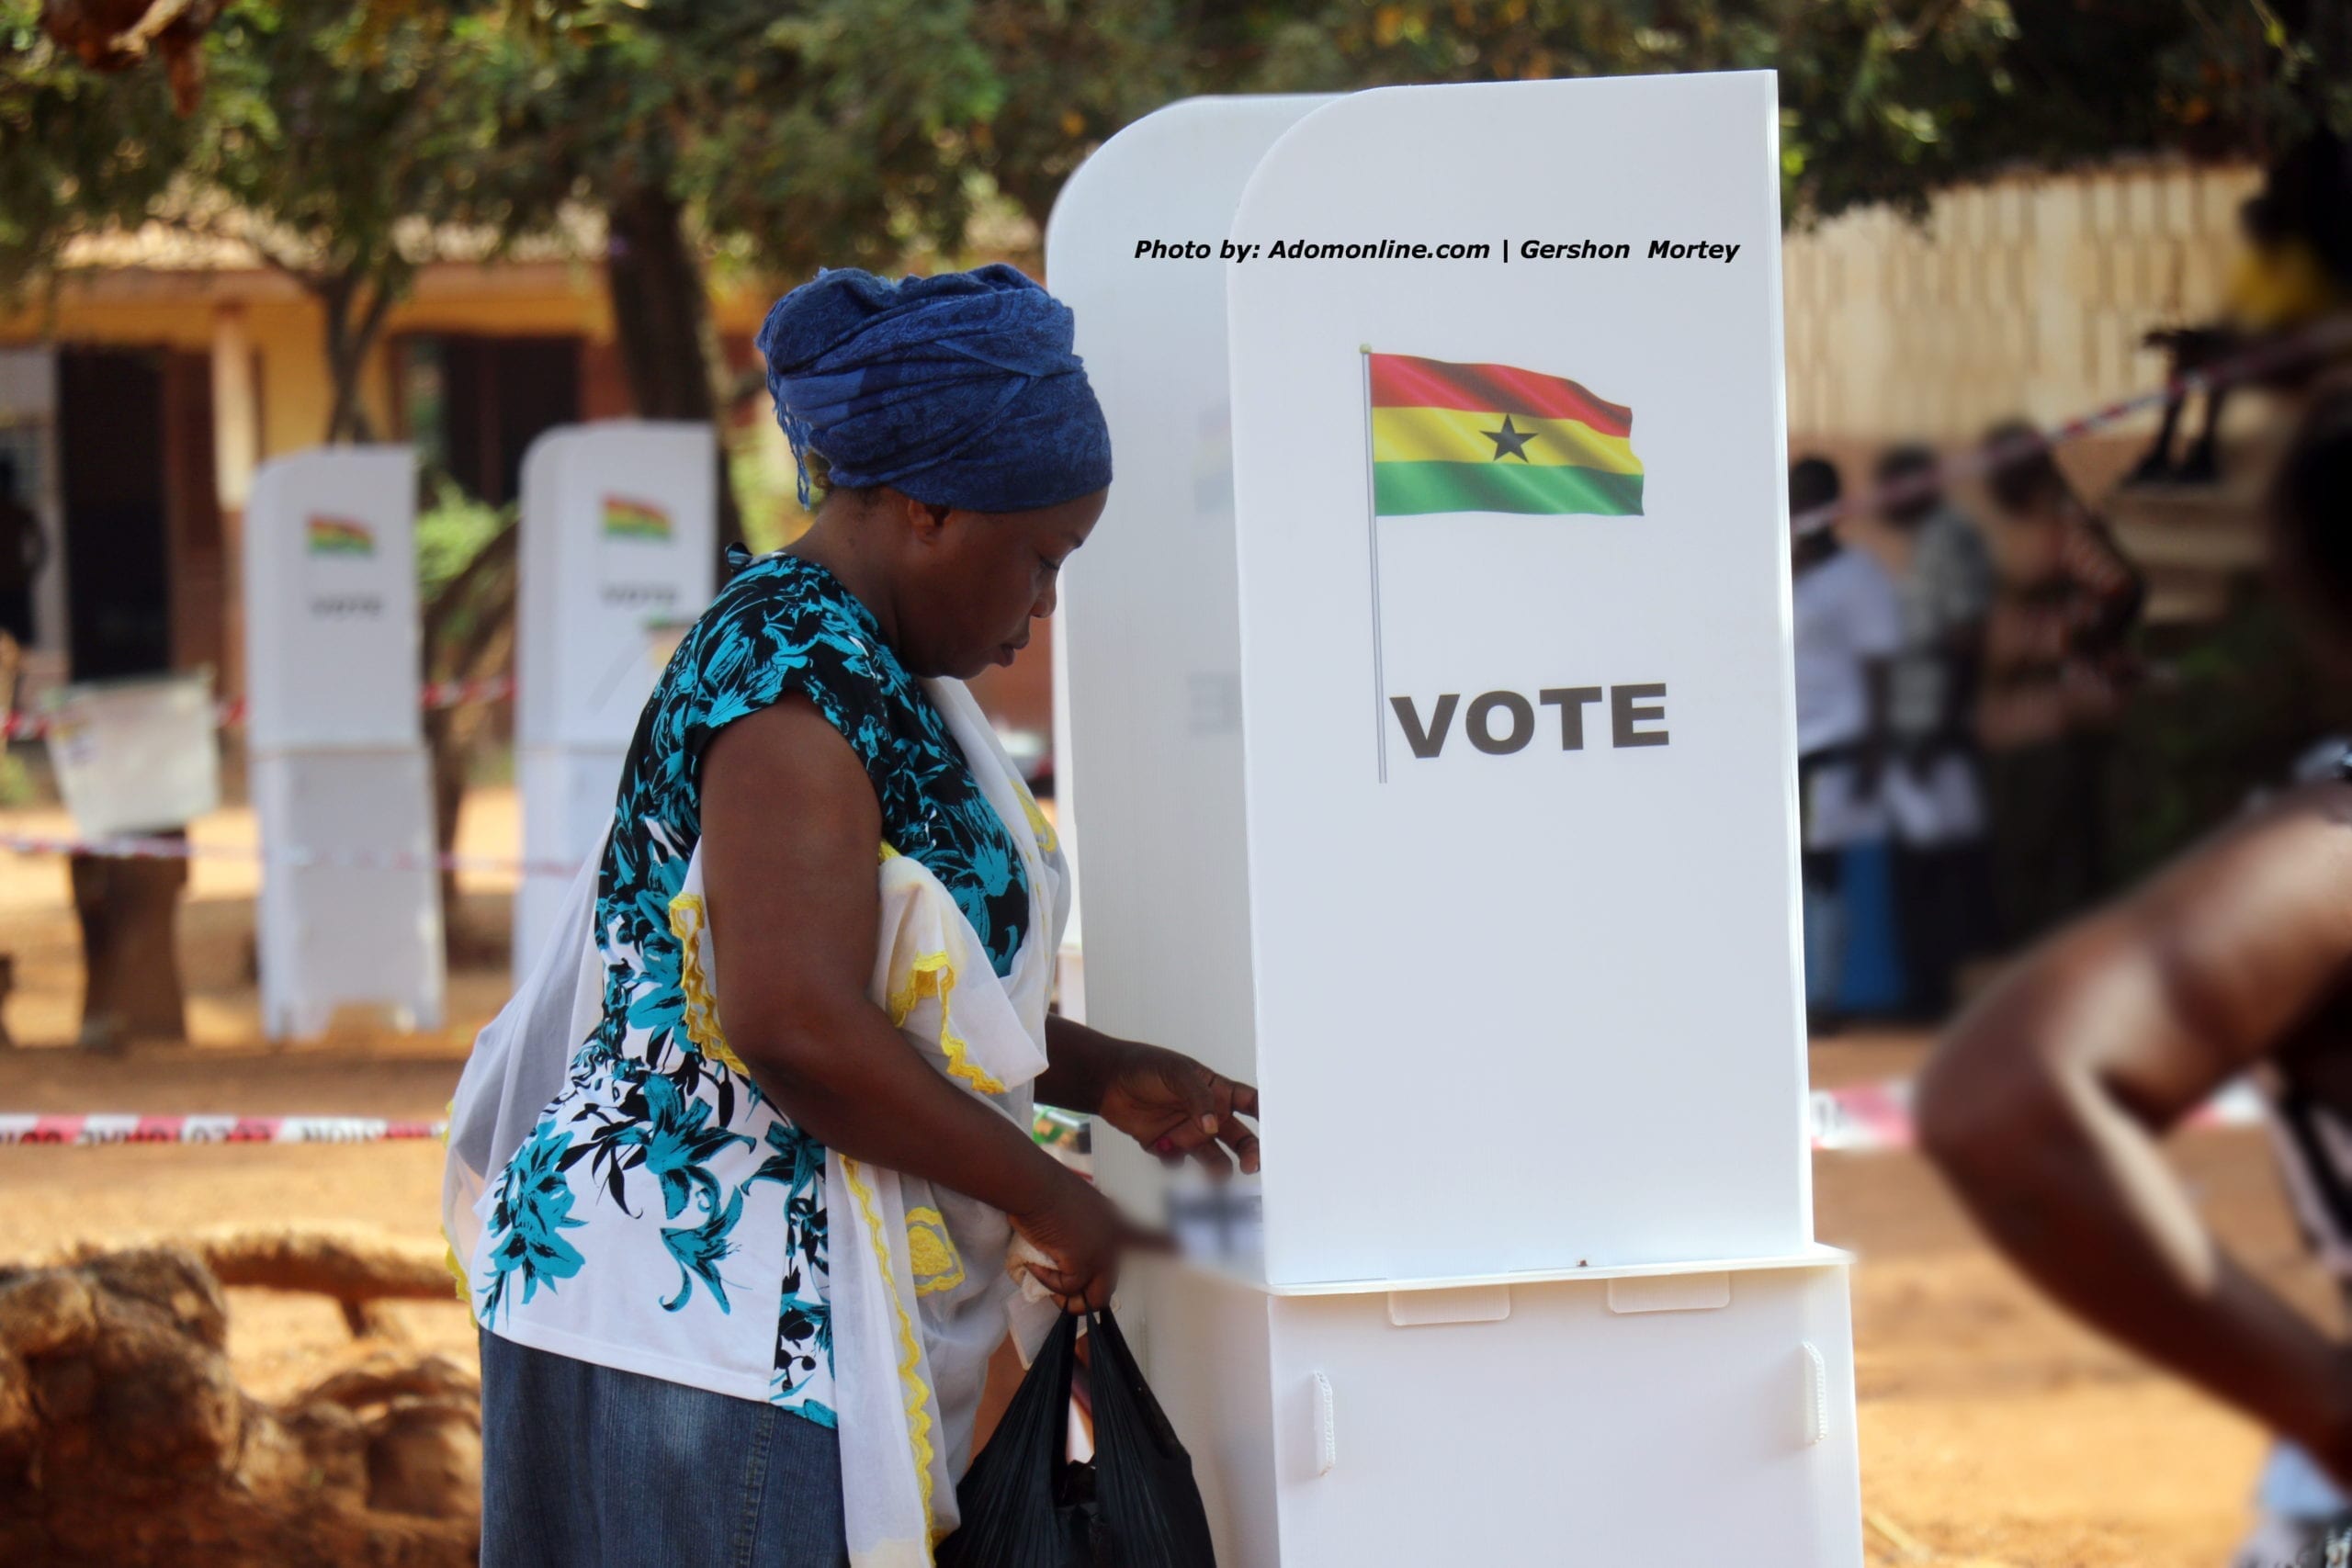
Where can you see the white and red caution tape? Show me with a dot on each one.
(1858, 1117)
(82, 1130)
(1878, 1116)
(232, 713)
(359, 860)
(2335, 335)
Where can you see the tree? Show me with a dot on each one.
(1883, 101)
(343, 147)
(742, 134)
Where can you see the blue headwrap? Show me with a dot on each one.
(960, 390)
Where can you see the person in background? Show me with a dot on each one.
(23, 550)
(1849, 626)
(2045, 1105)
(1944, 578)
(2055, 666)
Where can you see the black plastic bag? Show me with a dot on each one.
(1025, 1506)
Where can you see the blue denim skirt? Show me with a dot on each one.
(590, 1467)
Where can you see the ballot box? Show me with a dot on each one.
(349, 914)
(617, 550)
(1430, 747)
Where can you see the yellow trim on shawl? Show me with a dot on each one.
(449, 1258)
(889, 855)
(457, 1275)
(930, 1253)
(933, 974)
(918, 1394)
(1047, 839)
(688, 921)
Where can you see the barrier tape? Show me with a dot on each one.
(1869, 1116)
(86, 1131)
(434, 695)
(1858, 1117)
(348, 859)
(2311, 345)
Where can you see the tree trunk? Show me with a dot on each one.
(468, 636)
(661, 322)
(355, 313)
(127, 910)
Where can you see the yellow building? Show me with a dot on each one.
(138, 396)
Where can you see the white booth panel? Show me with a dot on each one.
(1147, 651)
(1519, 1004)
(1695, 1419)
(332, 936)
(568, 797)
(332, 644)
(617, 536)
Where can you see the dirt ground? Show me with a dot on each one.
(1993, 1432)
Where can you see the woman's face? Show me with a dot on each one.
(977, 580)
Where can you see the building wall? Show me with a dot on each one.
(287, 337)
(270, 394)
(2022, 296)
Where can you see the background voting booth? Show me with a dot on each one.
(1453, 804)
(337, 752)
(615, 557)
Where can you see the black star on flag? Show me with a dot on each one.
(1509, 442)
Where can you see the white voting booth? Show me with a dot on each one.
(615, 553)
(336, 750)
(1467, 834)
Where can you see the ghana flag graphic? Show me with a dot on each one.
(628, 519)
(1453, 437)
(325, 536)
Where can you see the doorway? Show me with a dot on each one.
(112, 487)
(474, 405)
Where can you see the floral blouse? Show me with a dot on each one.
(664, 1217)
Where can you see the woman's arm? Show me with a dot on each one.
(790, 830)
(2045, 1105)
(1166, 1101)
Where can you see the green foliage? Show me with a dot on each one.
(829, 132)
(451, 533)
(346, 146)
(1880, 101)
(760, 467)
(77, 151)
(2238, 704)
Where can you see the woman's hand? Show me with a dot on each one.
(1174, 1106)
(1085, 1233)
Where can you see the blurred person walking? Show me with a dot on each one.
(1848, 626)
(2045, 1105)
(2055, 666)
(1944, 581)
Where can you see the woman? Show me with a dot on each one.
(739, 1281)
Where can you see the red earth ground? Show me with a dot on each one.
(1993, 1431)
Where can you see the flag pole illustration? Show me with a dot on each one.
(1441, 437)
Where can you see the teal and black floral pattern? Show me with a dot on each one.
(533, 1211)
(650, 1132)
